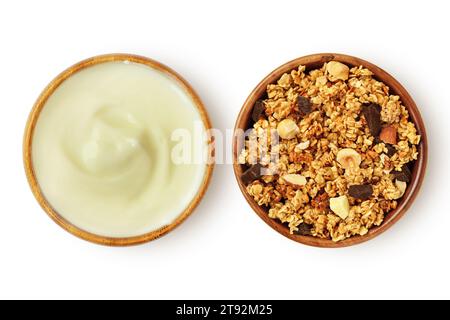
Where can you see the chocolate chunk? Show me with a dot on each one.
(362, 191)
(258, 110)
(404, 175)
(390, 149)
(252, 173)
(372, 114)
(304, 106)
(303, 229)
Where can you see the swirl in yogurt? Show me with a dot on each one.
(102, 149)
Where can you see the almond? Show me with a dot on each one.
(295, 180)
(389, 135)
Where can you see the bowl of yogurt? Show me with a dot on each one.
(117, 149)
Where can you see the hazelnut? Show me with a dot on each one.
(348, 158)
(337, 71)
(287, 129)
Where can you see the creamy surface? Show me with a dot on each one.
(102, 149)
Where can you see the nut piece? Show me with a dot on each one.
(337, 71)
(295, 180)
(348, 158)
(389, 135)
(287, 129)
(340, 206)
(302, 145)
(401, 186)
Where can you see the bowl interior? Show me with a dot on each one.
(315, 61)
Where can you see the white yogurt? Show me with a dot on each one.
(101, 149)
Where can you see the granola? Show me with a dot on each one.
(322, 133)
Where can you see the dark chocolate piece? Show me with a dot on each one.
(372, 114)
(390, 149)
(404, 175)
(258, 110)
(304, 106)
(252, 173)
(303, 229)
(362, 191)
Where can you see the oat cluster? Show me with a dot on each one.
(336, 147)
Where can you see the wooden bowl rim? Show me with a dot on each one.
(395, 88)
(28, 139)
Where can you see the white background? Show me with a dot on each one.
(224, 49)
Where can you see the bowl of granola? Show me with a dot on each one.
(329, 150)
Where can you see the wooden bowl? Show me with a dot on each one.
(316, 61)
(28, 161)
